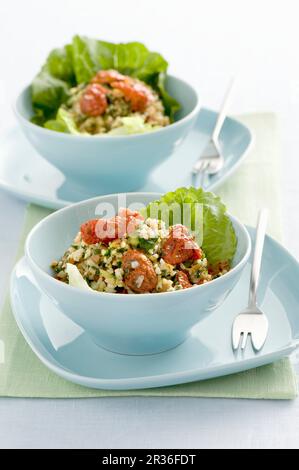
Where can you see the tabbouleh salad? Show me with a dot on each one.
(130, 254)
(113, 102)
(95, 87)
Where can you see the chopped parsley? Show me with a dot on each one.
(147, 245)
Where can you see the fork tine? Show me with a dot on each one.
(244, 339)
(198, 166)
(203, 173)
(258, 336)
(236, 337)
(206, 165)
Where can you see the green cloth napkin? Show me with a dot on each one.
(23, 375)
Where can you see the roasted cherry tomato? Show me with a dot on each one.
(137, 94)
(180, 246)
(132, 219)
(88, 232)
(107, 230)
(93, 101)
(139, 273)
(183, 279)
(105, 77)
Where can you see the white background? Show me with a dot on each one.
(208, 41)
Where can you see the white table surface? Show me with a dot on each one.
(210, 41)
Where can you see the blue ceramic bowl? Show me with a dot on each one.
(114, 163)
(128, 324)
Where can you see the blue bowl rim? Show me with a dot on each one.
(59, 284)
(104, 137)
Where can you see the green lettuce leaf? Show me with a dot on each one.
(59, 64)
(132, 58)
(170, 104)
(64, 122)
(133, 125)
(85, 57)
(78, 62)
(50, 87)
(150, 69)
(219, 240)
(65, 117)
(48, 92)
(55, 125)
(75, 277)
(129, 58)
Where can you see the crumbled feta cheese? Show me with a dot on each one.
(167, 285)
(119, 273)
(87, 253)
(90, 263)
(110, 289)
(157, 270)
(151, 228)
(202, 262)
(77, 255)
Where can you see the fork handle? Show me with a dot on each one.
(223, 110)
(257, 255)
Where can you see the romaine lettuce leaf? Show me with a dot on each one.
(133, 125)
(132, 58)
(59, 64)
(85, 57)
(75, 277)
(66, 119)
(48, 92)
(50, 87)
(55, 125)
(219, 240)
(170, 104)
(64, 122)
(150, 69)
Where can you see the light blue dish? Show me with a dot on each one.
(128, 324)
(115, 163)
(69, 352)
(26, 175)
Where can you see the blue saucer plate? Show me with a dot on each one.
(68, 351)
(28, 176)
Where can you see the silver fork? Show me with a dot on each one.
(211, 160)
(252, 321)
